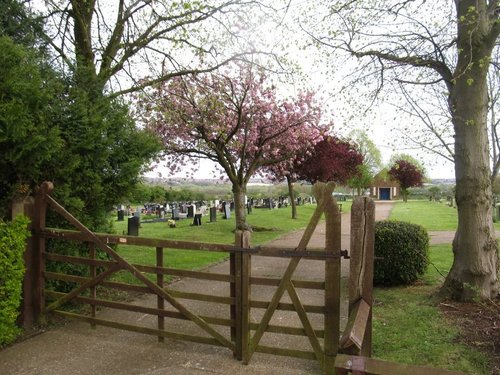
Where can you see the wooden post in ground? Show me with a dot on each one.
(93, 274)
(246, 267)
(361, 264)
(26, 207)
(240, 270)
(160, 302)
(332, 284)
(234, 292)
(39, 251)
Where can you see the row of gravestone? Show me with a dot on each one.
(182, 211)
(184, 207)
(134, 222)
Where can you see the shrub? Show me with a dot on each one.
(12, 244)
(404, 248)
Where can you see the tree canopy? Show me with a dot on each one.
(119, 47)
(233, 119)
(331, 159)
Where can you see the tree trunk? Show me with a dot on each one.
(239, 193)
(292, 197)
(474, 270)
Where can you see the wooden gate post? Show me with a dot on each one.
(332, 284)
(26, 207)
(361, 264)
(39, 250)
(240, 264)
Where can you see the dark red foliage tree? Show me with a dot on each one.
(407, 174)
(331, 159)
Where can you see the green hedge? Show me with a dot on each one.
(404, 249)
(12, 244)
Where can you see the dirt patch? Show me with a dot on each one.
(479, 325)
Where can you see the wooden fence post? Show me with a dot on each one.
(246, 268)
(93, 274)
(361, 264)
(234, 292)
(39, 250)
(240, 264)
(26, 207)
(160, 302)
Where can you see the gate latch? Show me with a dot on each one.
(345, 254)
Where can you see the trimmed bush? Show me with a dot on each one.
(12, 244)
(404, 248)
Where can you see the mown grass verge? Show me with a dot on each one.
(408, 325)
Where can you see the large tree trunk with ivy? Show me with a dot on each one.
(475, 265)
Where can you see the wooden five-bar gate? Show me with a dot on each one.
(240, 331)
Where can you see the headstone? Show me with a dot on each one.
(133, 226)
(249, 208)
(175, 214)
(137, 212)
(227, 211)
(213, 214)
(197, 220)
(190, 211)
(121, 215)
(231, 206)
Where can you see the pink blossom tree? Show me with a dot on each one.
(234, 120)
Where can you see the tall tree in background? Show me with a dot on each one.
(434, 43)
(120, 47)
(362, 180)
(107, 49)
(29, 143)
(54, 130)
(232, 119)
(372, 161)
(368, 149)
(407, 174)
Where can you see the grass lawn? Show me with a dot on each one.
(434, 216)
(431, 215)
(409, 328)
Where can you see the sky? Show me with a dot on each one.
(378, 123)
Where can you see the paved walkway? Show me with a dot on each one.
(75, 348)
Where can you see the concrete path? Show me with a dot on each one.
(75, 348)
